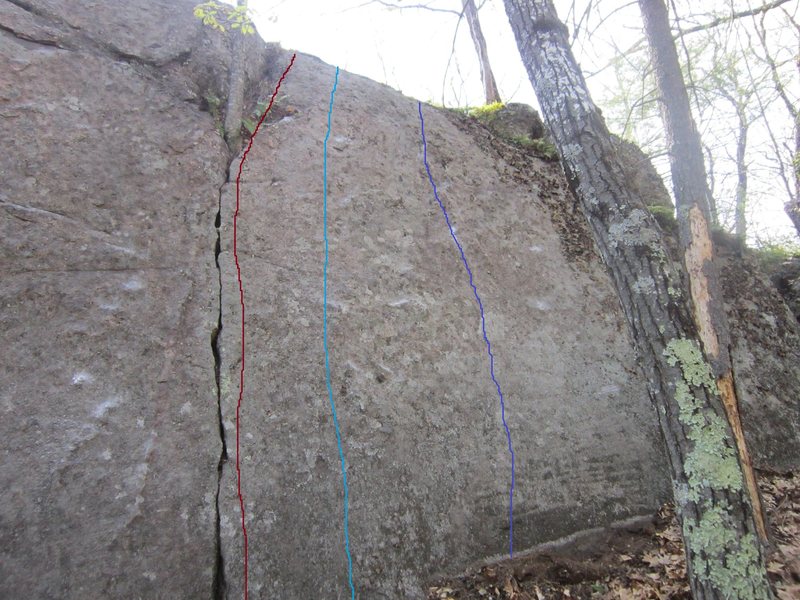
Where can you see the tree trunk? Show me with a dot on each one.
(741, 183)
(712, 204)
(690, 186)
(724, 556)
(234, 106)
(793, 206)
(487, 77)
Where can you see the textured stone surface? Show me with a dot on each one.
(640, 174)
(765, 351)
(515, 120)
(109, 426)
(427, 462)
(110, 301)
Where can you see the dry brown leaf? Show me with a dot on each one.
(658, 559)
(791, 592)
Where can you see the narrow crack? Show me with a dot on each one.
(219, 585)
(30, 39)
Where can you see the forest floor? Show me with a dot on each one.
(640, 562)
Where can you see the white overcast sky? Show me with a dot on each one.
(409, 49)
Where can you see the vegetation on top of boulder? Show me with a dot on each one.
(772, 255)
(542, 147)
(484, 112)
(493, 116)
(217, 15)
(665, 216)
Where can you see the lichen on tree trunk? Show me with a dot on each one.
(724, 556)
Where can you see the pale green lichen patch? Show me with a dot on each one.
(695, 369)
(644, 285)
(720, 557)
(225, 385)
(712, 462)
(634, 230)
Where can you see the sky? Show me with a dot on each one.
(409, 50)
(406, 49)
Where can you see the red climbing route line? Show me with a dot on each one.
(241, 301)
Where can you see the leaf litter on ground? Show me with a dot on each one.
(643, 561)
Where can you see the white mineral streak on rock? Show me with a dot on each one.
(82, 377)
(133, 284)
(101, 409)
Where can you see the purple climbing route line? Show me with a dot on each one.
(483, 329)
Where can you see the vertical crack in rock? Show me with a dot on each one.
(218, 583)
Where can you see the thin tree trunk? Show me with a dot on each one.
(234, 106)
(741, 183)
(724, 556)
(690, 185)
(487, 76)
(712, 204)
(793, 206)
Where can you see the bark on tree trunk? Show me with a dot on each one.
(233, 107)
(741, 183)
(690, 186)
(724, 555)
(712, 203)
(487, 76)
(793, 206)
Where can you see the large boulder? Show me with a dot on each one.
(428, 466)
(109, 295)
(122, 327)
(640, 174)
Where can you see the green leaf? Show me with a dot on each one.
(249, 125)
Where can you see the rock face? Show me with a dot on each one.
(640, 174)
(427, 461)
(786, 278)
(515, 120)
(109, 297)
(121, 321)
(765, 351)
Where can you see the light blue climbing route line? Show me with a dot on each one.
(483, 328)
(325, 338)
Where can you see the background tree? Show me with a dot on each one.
(727, 81)
(778, 76)
(694, 217)
(744, 134)
(724, 556)
(470, 11)
(490, 91)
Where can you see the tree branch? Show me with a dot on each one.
(737, 15)
(394, 6)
